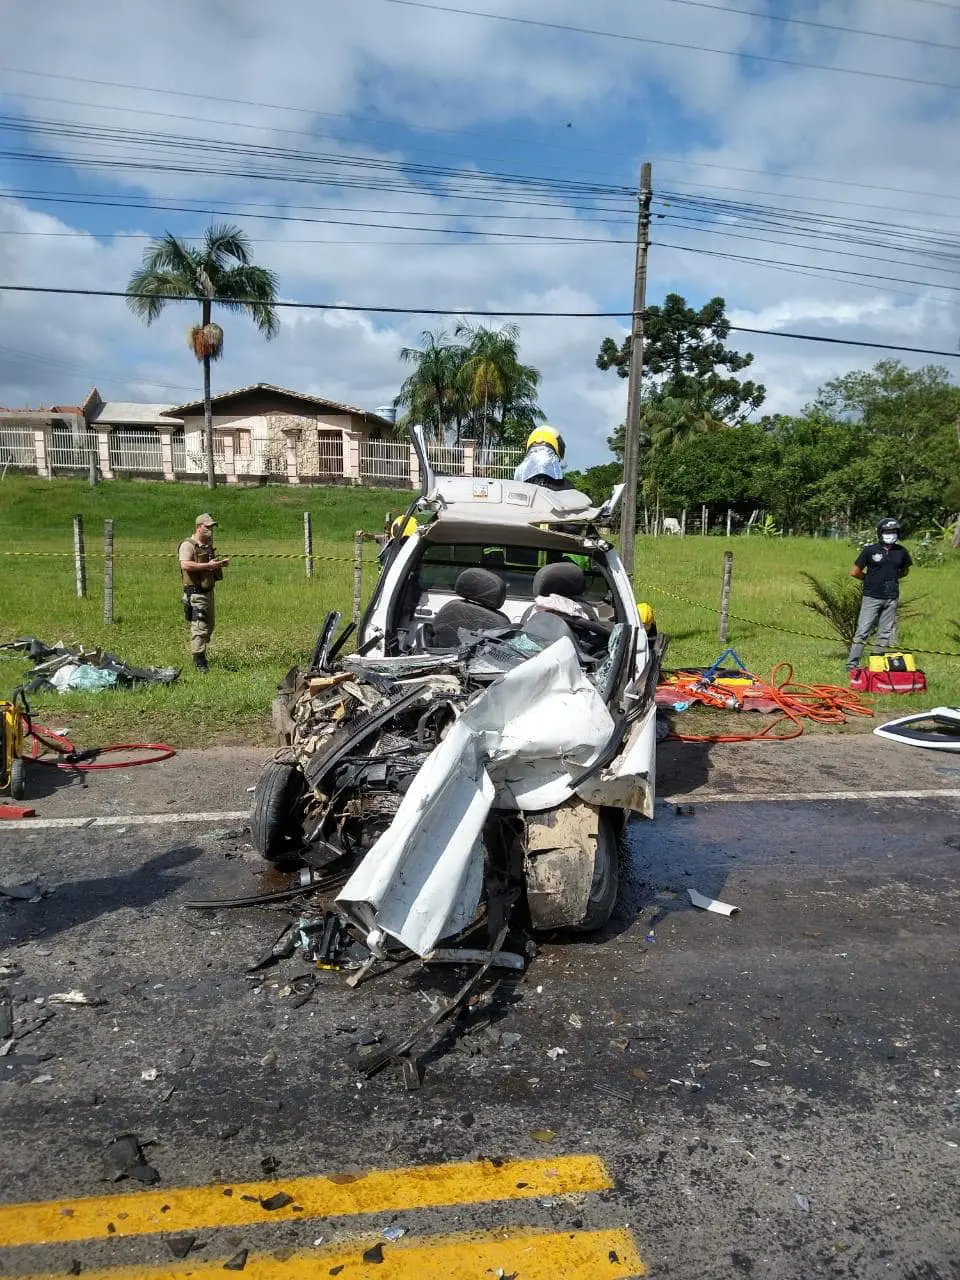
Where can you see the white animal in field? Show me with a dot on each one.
(670, 525)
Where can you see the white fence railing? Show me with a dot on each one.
(321, 455)
(446, 459)
(262, 462)
(327, 458)
(135, 449)
(189, 458)
(70, 450)
(497, 464)
(17, 447)
(385, 460)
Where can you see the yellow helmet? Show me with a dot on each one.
(400, 530)
(547, 435)
(646, 613)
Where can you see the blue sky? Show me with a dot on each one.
(298, 121)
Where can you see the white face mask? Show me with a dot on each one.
(889, 538)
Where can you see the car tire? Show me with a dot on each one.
(275, 819)
(605, 889)
(18, 779)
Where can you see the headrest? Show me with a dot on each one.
(481, 586)
(561, 579)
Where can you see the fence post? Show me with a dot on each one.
(704, 520)
(80, 557)
(357, 574)
(725, 595)
(683, 523)
(729, 519)
(108, 571)
(41, 449)
(308, 543)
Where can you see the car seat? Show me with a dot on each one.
(564, 579)
(567, 580)
(481, 594)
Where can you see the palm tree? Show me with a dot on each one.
(430, 393)
(501, 392)
(670, 420)
(220, 272)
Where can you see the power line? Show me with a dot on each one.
(811, 248)
(419, 128)
(690, 188)
(841, 342)
(457, 175)
(300, 133)
(509, 238)
(809, 22)
(461, 311)
(512, 237)
(77, 367)
(674, 44)
(279, 217)
(773, 266)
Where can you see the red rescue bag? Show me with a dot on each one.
(865, 681)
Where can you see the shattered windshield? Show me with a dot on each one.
(442, 563)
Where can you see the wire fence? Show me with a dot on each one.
(362, 560)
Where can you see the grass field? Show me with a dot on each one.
(268, 612)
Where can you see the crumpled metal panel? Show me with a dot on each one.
(629, 781)
(518, 743)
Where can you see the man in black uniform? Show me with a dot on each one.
(881, 565)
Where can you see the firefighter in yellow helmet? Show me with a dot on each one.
(543, 463)
(646, 617)
(403, 529)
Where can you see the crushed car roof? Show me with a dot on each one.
(475, 501)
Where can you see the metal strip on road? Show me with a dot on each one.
(124, 820)
(239, 1204)
(805, 797)
(574, 1255)
(691, 797)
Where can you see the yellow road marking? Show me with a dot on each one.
(581, 1255)
(239, 1204)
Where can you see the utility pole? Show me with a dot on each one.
(631, 449)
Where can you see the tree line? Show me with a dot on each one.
(882, 441)
(472, 386)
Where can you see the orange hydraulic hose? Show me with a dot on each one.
(818, 703)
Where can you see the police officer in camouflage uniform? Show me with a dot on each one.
(200, 570)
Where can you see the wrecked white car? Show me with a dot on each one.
(489, 736)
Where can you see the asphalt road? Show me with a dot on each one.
(772, 1094)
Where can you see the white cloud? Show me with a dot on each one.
(499, 82)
